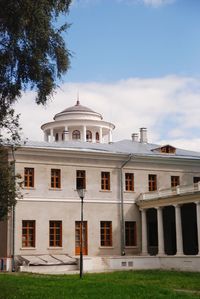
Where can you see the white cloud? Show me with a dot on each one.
(152, 3)
(169, 107)
(156, 3)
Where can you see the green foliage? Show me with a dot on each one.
(127, 285)
(10, 128)
(32, 50)
(9, 186)
(32, 55)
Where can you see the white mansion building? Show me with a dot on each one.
(141, 203)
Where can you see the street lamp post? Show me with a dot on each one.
(81, 195)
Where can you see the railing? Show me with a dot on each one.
(170, 192)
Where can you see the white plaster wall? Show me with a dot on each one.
(43, 204)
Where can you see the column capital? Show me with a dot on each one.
(143, 209)
(177, 205)
(159, 208)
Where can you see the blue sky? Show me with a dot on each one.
(137, 62)
(113, 40)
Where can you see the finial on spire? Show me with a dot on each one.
(77, 101)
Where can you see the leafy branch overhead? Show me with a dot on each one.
(32, 50)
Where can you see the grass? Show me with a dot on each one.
(126, 285)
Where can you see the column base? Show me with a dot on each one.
(179, 254)
(161, 254)
(144, 254)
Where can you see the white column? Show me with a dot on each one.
(198, 224)
(179, 236)
(66, 134)
(84, 134)
(161, 248)
(45, 136)
(93, 136)
(51, 135)
(100, 135)
(144, 232)
(110, 136)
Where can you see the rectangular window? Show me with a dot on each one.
(175, 181)
(80, 179)
(28, 233)
(55, 178)
(130, 233)
(105, 180)
(196, 179)
(129, 181)
(106, 233)
(152, 182)
(28, 177)
(55, 233)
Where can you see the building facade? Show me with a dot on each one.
(141, 199)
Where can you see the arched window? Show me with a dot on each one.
(88, 136)
(97, 137)
(76, 135)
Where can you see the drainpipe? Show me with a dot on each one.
(122, 204)
(13, 216)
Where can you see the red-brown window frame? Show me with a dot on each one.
(29, 179)
(55, 178)
(28, 233)
(175, 181)
(105, 180)
(76, 135)
(97, 136)
(130, 233)
(129, 181)
(106, 233)
(152, 182)
(55, 233)
(88, 136)
(80, 179)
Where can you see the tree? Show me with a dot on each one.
(33, 55)
(32, 50)
(9, 183)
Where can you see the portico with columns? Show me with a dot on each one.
(170, 225)
(78, 123)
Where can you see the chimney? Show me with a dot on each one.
(135, 137)
(143, 135)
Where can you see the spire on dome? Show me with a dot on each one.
(77, 101)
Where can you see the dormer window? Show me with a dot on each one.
(76, 135)
(89, 136)
(166, 149)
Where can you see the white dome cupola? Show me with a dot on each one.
(78, 123)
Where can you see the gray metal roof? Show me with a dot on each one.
(77, 108)
(119, 147)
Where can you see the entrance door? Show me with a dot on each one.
(78, 237)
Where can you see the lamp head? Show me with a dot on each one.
(81, 192)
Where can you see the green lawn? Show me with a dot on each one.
(137, 284)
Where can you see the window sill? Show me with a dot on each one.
(106, 247)
(55, 189)
(55, 248)
(126, 191)
(131, 247)
(28, 248)
(107, 191)
(28, 188)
